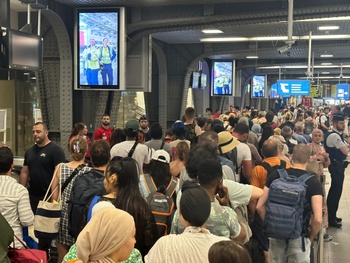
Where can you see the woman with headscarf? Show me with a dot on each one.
(109, 237)
(319, 155)
(194, 243)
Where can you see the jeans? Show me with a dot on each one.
(107, 71)
(336, 170)
(280, 252)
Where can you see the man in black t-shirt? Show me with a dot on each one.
(40, 162)
(314, 192)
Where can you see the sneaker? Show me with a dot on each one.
(327, 237)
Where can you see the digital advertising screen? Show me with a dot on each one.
(258, 86)
(195, 80)
(222, 78)
(100, 49)
(273, 91)
(203, 81)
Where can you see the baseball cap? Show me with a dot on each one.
(338, 116)
(132, 124)
(161, 156)
(178, 125)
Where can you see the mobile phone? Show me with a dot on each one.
(221, 193)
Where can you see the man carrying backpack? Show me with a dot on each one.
(293, 190)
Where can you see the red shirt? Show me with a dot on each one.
(103, 133)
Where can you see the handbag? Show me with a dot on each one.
(48, 215)
(26, 255)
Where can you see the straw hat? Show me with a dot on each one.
(226, 142)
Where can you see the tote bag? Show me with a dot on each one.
(48, 215)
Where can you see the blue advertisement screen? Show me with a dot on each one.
(343, 91)
(222, 78)
(258, 86)
(293, 87)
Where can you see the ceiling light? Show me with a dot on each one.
(252, 57)
(325, 72)
(328, 28)
(326, 56)
(212, 31)
(326, 64)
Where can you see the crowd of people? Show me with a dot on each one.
(197, 192)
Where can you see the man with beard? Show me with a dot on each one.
(143, 122)
(40, 162)
(104, 132)
(337, 149)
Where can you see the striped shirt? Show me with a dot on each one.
(15, 205)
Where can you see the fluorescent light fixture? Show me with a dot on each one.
(328, 28)
(326, 56)
(325, 72)
(252, 57)
(326, 64)
(212, 31)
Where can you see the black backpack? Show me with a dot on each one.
(85, 187)
(161, 203)
(270, 168)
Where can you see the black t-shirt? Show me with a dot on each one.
(41, 162)
(313, 184)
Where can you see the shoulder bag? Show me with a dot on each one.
(26, 255)
(48, 215)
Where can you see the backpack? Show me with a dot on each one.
(161, 203)
(270, 168)
(85, 187)
(285, 206)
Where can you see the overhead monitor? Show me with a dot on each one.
(203, 80)
(195, 84)
(222, 78)
(287, 87)
(273, 91)
(100, 49)
(258, 88)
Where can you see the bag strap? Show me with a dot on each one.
(162, 145)
(234, 155)
(305, 177)
(92, 204)
(70, 178)
(149, 183)
(46, 197)
(282, 172)
(170, 190)
(132, 149)
(267, 167)
(20, 241)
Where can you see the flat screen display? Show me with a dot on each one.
(290, 87)
(203, 81)
(258, 86)
(222, 78)
(195, 80)
(100, 49)
(273, 91)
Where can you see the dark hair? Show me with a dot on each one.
(269, 149)
(309, 113)
(196, 155)
(6, 159)
(131, 133)
(117, 137)
(100, 153)
(241, 128)
(156, 131)
(160, 172)
(208, 171)
(105, 115)
(208, 109)
(129, 197)
(267, 131)
(77, 148)
(41, 123)
(190, 112)
(195, 204)
(233, 121)
(228, 251)
(269, 116)
(77, 128)
(209, 137)
(201, 121)
(169, 132)
(218, 128)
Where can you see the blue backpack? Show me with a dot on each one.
(285, 206)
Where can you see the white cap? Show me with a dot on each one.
(161, 156)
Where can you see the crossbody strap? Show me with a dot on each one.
(92, 204)
(70, 178)
(132, 149)
(46, 197)
(149, 183)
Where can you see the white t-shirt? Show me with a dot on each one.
(191, 246)
(243, 154)
(141, 155)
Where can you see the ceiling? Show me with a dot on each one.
(249, 19)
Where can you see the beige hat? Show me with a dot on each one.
(226, 142)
